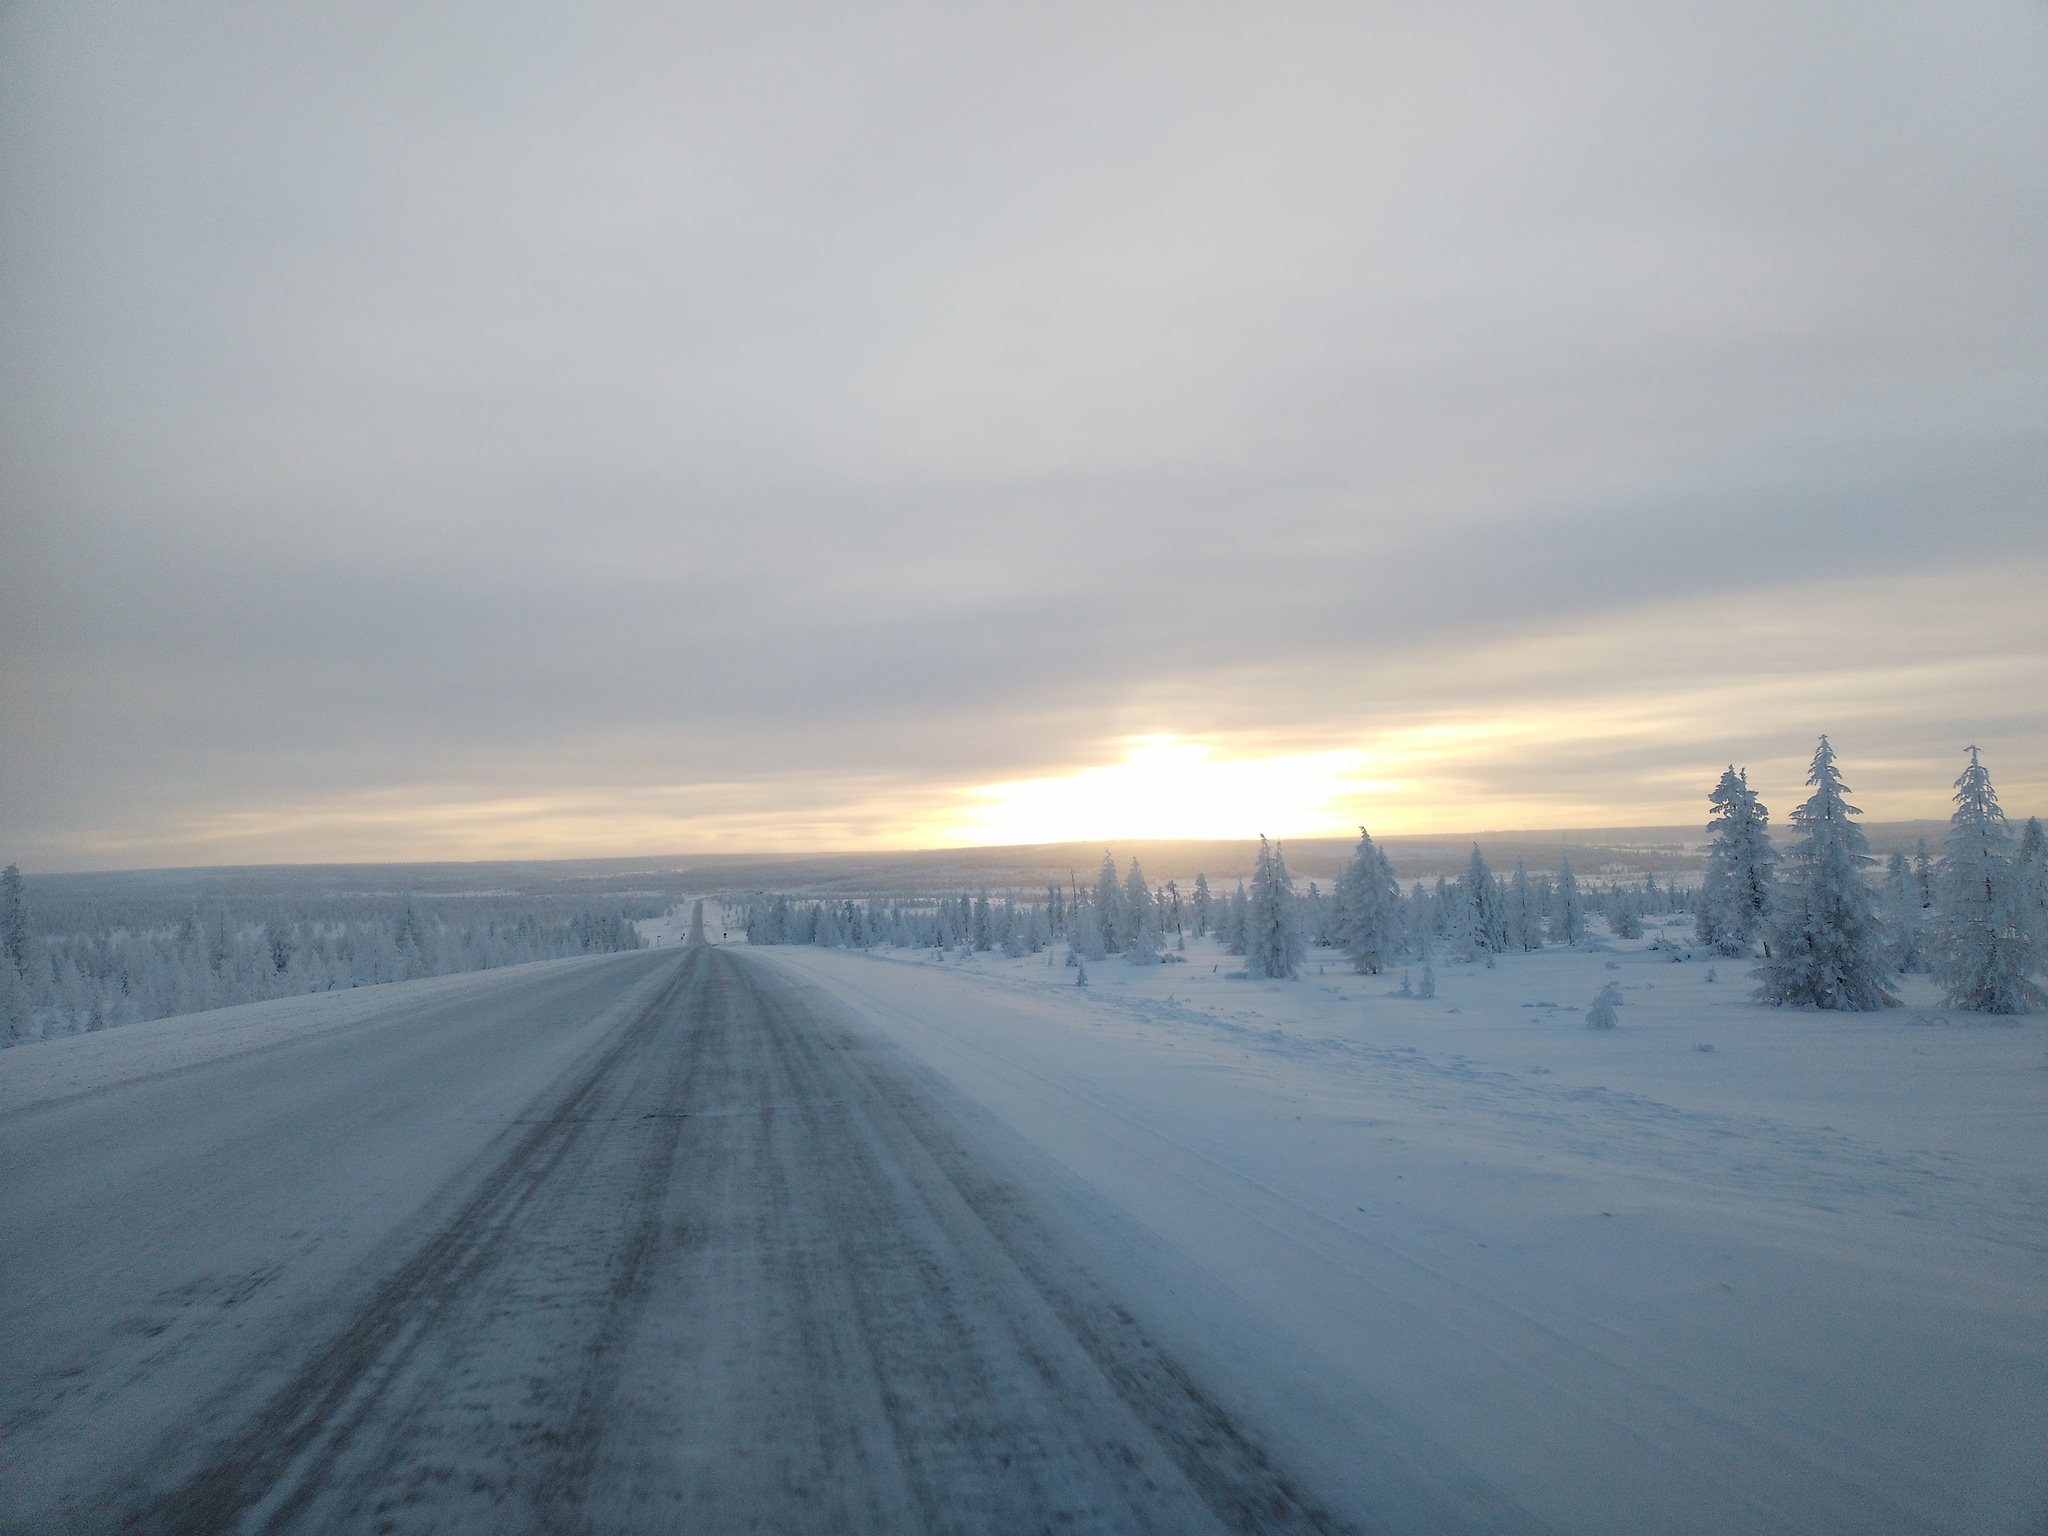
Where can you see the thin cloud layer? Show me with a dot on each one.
(562, 432)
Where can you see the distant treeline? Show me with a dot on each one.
(86, 965)
(1123, 914)
(1829, 929)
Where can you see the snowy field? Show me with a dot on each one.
(1726, 1268)
(1462, 1263)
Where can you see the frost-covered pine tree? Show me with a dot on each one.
(1109, 915)
(1481, 925)
(1624, 912)
(1084, 933)
(1368, 920)
(1601, 1014)
(2033, 857)
(1524, 911)
(13, 920)
(1735, 895)
(17, 1002)
(1982, 917)
(1415, 918)
(1144, 940)
(1923, 876)
(1274, 946)
(17, 1014)
(1204, 904)
(1235, 923)
(1567, 907)
(1827, 947)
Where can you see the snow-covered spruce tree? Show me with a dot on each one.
(13, 921)
(1923, 876)
(1601, 1014)
(1261, 872)
(17, 1015)
(1624, 912)
(17, 1002)
(1315, 917)
(1084, 930)
(1143, 940)
(1982, 918)
(1415, 919)
(1236, 921)
(1274, 945)
(1368, 919)
(1524, 911)
(1480, 925)
(2033, 857)
(1826, 946)
(1204, 904)
(1568, 907)
(17, 992)
(1735, 895)
(1109, 914)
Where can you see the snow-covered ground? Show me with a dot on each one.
(1726, 1268)
(1460, 1262)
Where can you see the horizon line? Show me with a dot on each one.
(1699, 830)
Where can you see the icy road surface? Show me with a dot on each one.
(658, 1242)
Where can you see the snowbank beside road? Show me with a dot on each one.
(41, 1071)
(1796, 1282)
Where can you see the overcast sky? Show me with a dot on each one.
(437, 431)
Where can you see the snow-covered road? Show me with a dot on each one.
(656, 1242)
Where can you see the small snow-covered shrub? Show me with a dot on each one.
(1601, 1014)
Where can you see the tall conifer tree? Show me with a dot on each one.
(13, 921)
(1735, 895)
(1826, 948)
(1481, 925)
(1985, 927)
(1368, 909)
(1143, 939)
(1109, 915)
(1274, 945)
(1567, 907)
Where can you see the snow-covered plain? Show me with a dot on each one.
(1459, 1263)
(1727, 1268)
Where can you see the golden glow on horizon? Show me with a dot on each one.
(1170, 788)
(1508, 734)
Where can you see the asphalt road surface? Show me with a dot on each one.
(656, 1244)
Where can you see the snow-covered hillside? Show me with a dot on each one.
(1724, 1268)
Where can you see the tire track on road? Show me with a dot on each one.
(280, 1459)
(743, 1273)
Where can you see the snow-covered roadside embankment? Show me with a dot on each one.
(1795, 1282)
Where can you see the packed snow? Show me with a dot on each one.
(1722, 1267)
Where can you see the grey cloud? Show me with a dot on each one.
(915, 390)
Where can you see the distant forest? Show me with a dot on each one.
(84, 964)
(1828, 926)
